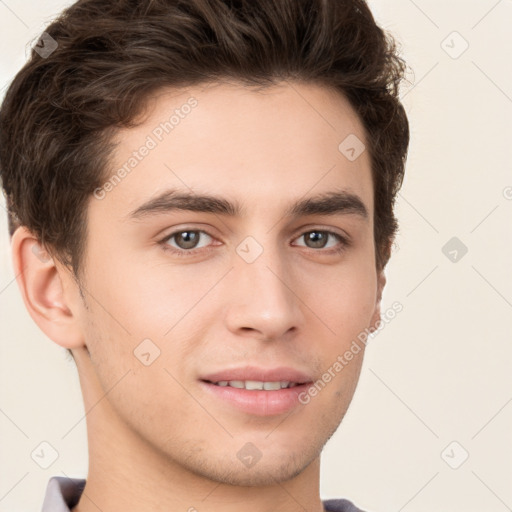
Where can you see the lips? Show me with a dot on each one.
(257, 391)
(239, 397)
(255, 374)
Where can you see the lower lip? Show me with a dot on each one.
(258, 402)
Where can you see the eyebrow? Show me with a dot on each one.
(327, 203)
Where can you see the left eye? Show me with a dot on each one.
(319, 238)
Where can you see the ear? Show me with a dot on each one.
(48, 290)
(381, 282)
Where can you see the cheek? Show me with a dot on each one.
(134, 297)
(346, 300)
(137, 368)
(143, 320)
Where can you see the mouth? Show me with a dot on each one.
(257, 391)
(256, 385)
(251, 397)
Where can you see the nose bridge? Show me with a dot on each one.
(263, 297)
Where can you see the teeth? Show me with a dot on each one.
(271, 386)
(257, 384)
(240, 384)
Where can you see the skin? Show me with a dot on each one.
(156, 441)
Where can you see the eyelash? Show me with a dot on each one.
(191, 252)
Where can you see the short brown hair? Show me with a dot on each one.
(60, 112)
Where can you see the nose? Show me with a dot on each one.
(264, 298)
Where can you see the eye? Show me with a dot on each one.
(318, 239)
(186, 241)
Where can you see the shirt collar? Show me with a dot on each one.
(62, 493)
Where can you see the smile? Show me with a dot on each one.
(256, 384)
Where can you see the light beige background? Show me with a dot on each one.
(439, 372)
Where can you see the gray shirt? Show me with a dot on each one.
(62, 494)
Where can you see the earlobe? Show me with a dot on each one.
(41, 285)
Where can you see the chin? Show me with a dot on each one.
(257, 476)
(278, 468)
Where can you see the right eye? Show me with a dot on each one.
(186, 241)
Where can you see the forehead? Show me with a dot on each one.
(267, 145)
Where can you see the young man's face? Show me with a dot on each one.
(261, 294)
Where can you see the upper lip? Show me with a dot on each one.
(245, 373)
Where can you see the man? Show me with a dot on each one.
(201, 207)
